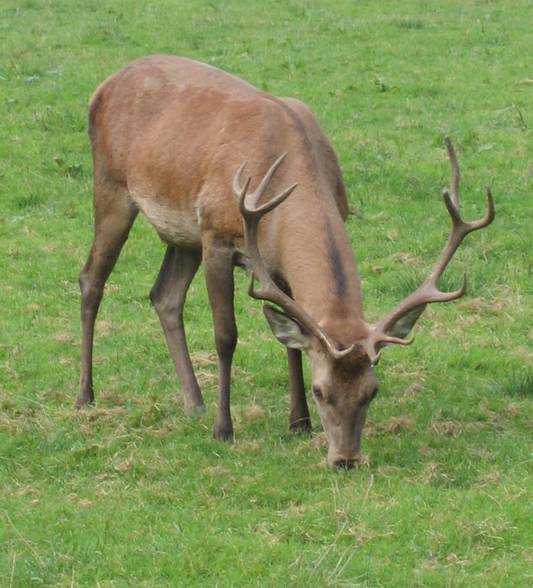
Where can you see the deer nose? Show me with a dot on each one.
(344, 464)
(345, 460)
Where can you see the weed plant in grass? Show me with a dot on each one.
(131, 492)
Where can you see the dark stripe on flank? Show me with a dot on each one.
(336, 263)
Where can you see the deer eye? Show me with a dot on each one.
(318, 393)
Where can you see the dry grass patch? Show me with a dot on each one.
(112, 398)
(489, 479)
(360, 533)
(448, 428)
(206, 378)
(16, 423)
(266, 530)
(203, 359)
(496, 419)
(64, 337)
(247, 446)
(413, 389)
(122, 464)
(406, 258)
(105, 327)
(54, 395)
(80, 502)
(432, 473)
(205, 367)
(319, 440)
(95, 413)
(216, 471)
(392, 425)
(66, 360)
(253, 412)
(429, 472)
(483, 306)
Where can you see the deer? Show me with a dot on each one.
(172, 138)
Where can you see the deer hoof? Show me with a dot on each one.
(83, 401)
(302, 426)
(223, 434)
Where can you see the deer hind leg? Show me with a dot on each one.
(114, 216)
(218, 269)
(299, 419)
(168, 297)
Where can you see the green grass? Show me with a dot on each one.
(132, 493)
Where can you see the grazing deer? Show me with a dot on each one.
(171, 138)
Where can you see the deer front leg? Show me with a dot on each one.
(168, 297)
(218, 269)
(299, 419)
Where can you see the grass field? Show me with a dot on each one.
(133, 493)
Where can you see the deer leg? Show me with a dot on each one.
(299, 419)
(114, 216)
(218, 269)
(168, 297)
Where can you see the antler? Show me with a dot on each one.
(268, 290)
(429, 292)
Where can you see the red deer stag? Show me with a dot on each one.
(172, 138)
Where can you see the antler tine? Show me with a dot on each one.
(489, 217)
(255, 197)
(237, 188)
(268, 290)
(455, 172)
(452, 206)
(428, 291)
(452, 199)
(250, 209)
(267, 207)
(374, 340)
(333, 351)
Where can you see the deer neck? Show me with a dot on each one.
(318, 265)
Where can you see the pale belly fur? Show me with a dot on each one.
(174, 225)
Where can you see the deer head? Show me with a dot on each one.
(343, 379)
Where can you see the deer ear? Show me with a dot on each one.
(285, 329)
(403, 326)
